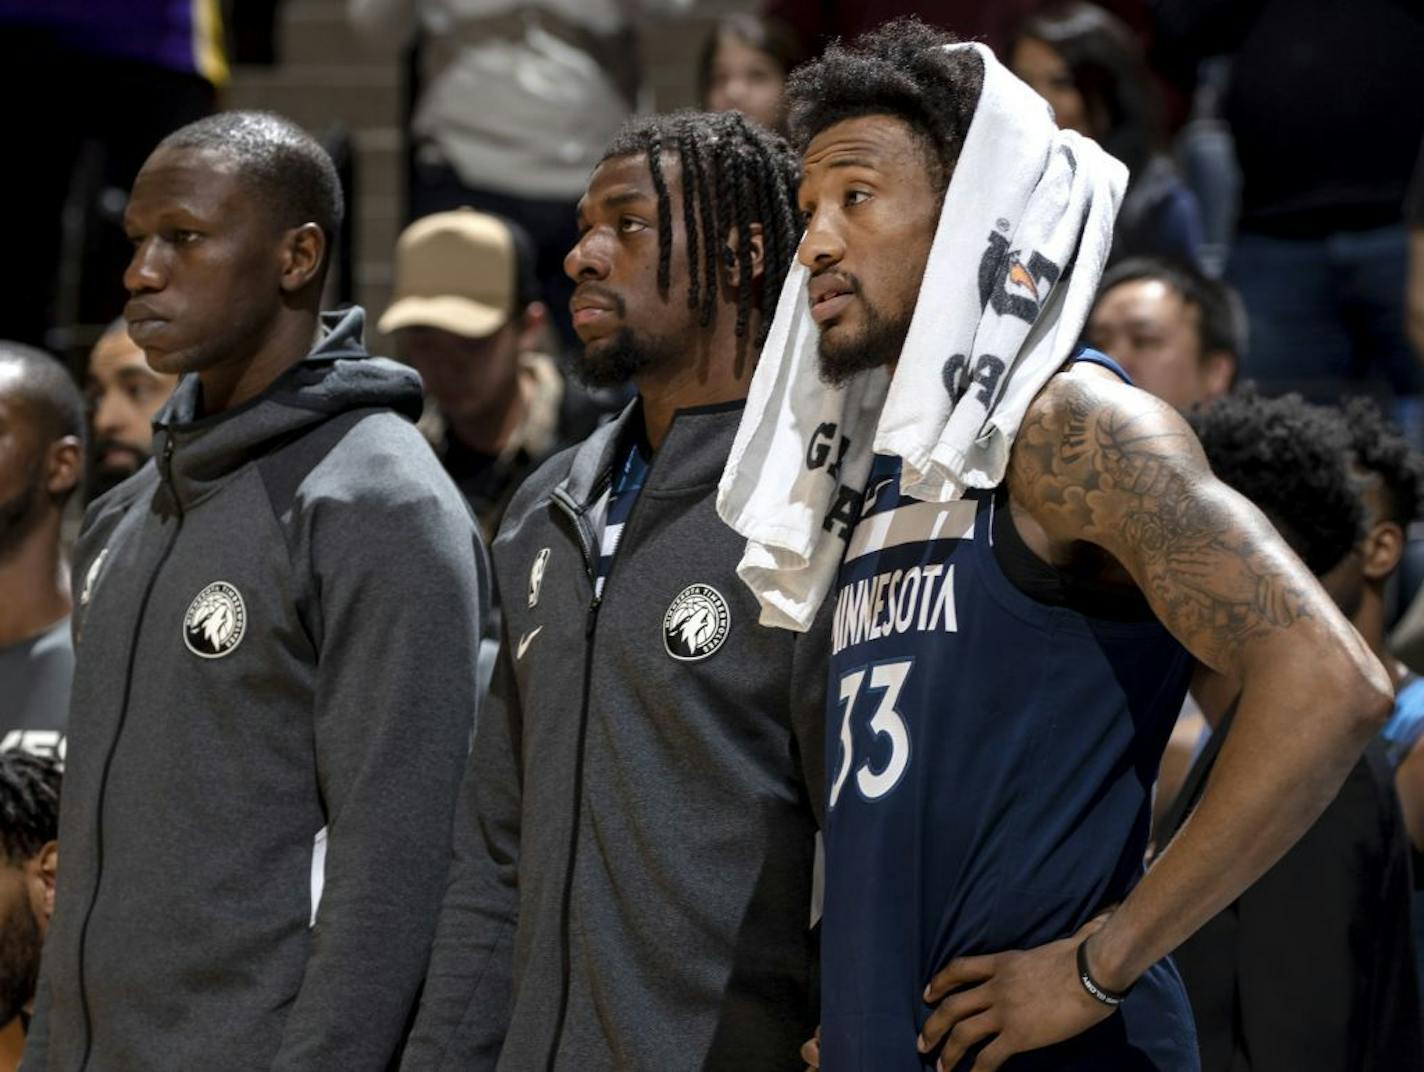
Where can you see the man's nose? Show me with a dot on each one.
(146, 272)
(821, 245)
(589, 258)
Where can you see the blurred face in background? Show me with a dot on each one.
(1049, 75)
(124, 396)
(1148, 328)
(472, 378)
(747, 80)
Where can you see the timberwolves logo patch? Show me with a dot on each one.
(696, 623)
(536, 576)
(215, 621)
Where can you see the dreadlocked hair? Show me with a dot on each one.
(899, 69)
(733, 174)
(29, 804)
(1381, 448)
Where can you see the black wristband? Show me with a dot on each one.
(1098, 993)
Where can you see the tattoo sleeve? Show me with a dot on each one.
(1122, 470)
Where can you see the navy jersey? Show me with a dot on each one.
(991, 762)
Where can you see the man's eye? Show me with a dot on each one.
(628, 225)
(185, 237)
(855, 197)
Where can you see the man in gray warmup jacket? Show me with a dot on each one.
(633, 868)
(276, 624)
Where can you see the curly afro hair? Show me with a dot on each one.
(899, 69)
(1291, 459)
(1380, 448)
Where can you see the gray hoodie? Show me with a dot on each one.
(634, 846)
(276, 625)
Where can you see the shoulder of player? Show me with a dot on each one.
(1087, 434)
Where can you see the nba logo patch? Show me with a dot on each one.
(536, 576)
(215, 622)
(696, 623)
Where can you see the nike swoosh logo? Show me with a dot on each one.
(525, 641)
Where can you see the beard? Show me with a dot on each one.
(879, 343)
(614, 361)
(20, 944)
(104, 477)
(21, 512)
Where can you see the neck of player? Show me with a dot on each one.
(35, 580)
(292, 335)
(716, 367)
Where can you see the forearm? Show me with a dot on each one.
(1273, 778)
(464, 1011)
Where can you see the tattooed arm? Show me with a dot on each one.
(1099, 462)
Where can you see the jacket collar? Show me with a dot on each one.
(692, 456)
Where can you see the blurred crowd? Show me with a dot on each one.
(1266, 278)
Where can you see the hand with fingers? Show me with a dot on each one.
(811, 1052)
(1009, 1003)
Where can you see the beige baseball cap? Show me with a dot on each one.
(455, 271)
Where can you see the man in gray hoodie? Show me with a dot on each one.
(633, 869)
(276, 623)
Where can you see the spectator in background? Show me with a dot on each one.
(1327, 117)
(29, 829)
(1088, 65)
(41, 463)
(466, 317)
(1177, 333)
(124, 396)
(92, 88)
(743, 68)
(1414, 299)
(1391, 479)
(1312, 968)
(818, 22)
(515, 105)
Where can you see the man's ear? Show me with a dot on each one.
(1219, 369)
(64, 465)
(756, 249)
(46, 867)
(1382, 549)
(303, 252)
(531, 326)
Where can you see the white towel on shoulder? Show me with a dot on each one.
(1022, 238)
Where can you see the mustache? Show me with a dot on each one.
(846, 279)
(601, 294)
(104, 446)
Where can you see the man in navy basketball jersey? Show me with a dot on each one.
(1006, 667)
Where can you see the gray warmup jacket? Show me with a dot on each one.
(276, 627)
(635, 840)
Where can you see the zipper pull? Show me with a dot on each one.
(167, 460)
(592, 618)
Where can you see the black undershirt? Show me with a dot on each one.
(1054, 587)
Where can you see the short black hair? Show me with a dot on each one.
(1380, 448)
(1292, 459)
(52, 397)
(293, 174)
(29, 804)
(734, 174)
(899, 69)
(1221, 316)
(1109, 69)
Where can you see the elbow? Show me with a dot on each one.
(1367, 694)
